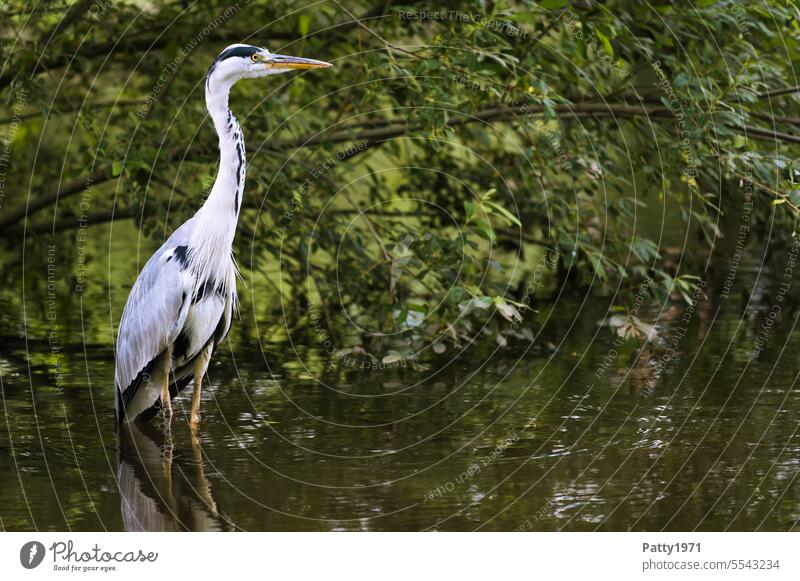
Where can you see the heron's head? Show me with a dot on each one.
(243, 61)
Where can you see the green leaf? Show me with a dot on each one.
(553, 3)
(605, 42)
(506, 214)
(469, 209)
(485, 230)
(302, 24)
(392, 357)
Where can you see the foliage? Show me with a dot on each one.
(415, 190)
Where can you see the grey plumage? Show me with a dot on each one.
(169, 307)
(182, 303)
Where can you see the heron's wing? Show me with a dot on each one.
(153, 317)
(225, 321)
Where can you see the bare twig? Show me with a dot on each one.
(765, 188)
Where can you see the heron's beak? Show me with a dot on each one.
(280, 61)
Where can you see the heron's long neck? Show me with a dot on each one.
(220, 212)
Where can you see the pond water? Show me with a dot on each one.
(570, 431)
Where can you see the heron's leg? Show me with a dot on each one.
(166, 404)
(200, 367)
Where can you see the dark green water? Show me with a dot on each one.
(566, 432)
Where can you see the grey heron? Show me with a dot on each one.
(182, 302)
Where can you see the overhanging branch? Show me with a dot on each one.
(102, 174)
(393, 129)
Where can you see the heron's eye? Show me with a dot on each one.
(254, 57)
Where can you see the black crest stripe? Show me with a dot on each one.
(245, 51)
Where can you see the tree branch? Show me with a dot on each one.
(73, 222)
(126, 47)
(774, 119)
(768, 134)
(780, 91)
(102, 174)
(392, 129)
(72, 14)
(385, 130)
(99, 105)
(765, 188)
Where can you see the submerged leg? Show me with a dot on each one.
(204, 486)
(200, 367)
(167, 452)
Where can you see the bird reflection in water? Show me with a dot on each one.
(162, 490)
